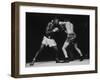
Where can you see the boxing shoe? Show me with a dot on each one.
(67, 60)
(32, 63)
(81, 58)
(59, 61)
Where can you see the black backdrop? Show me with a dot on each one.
(35, 29)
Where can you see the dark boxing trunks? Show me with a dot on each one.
(71, 37)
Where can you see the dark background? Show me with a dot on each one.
(35, 29)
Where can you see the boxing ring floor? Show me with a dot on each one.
(53, 63)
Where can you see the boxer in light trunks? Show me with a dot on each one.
(48, 40)
(69, 30)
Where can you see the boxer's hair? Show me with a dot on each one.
(55, 19)
(67, 19)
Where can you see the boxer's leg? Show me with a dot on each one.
(57, 56)
(66, 44)
(64, 49)
(79, 51)
(52, 43)
(37, 53)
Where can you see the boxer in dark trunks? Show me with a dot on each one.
(70, 39)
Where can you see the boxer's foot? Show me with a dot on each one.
(32, 63)
(81, 58)
(67, 60)
(59, 61)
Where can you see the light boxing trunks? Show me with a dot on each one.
(48, 42)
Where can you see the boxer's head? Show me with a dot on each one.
(68, 19)
(56, 21)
